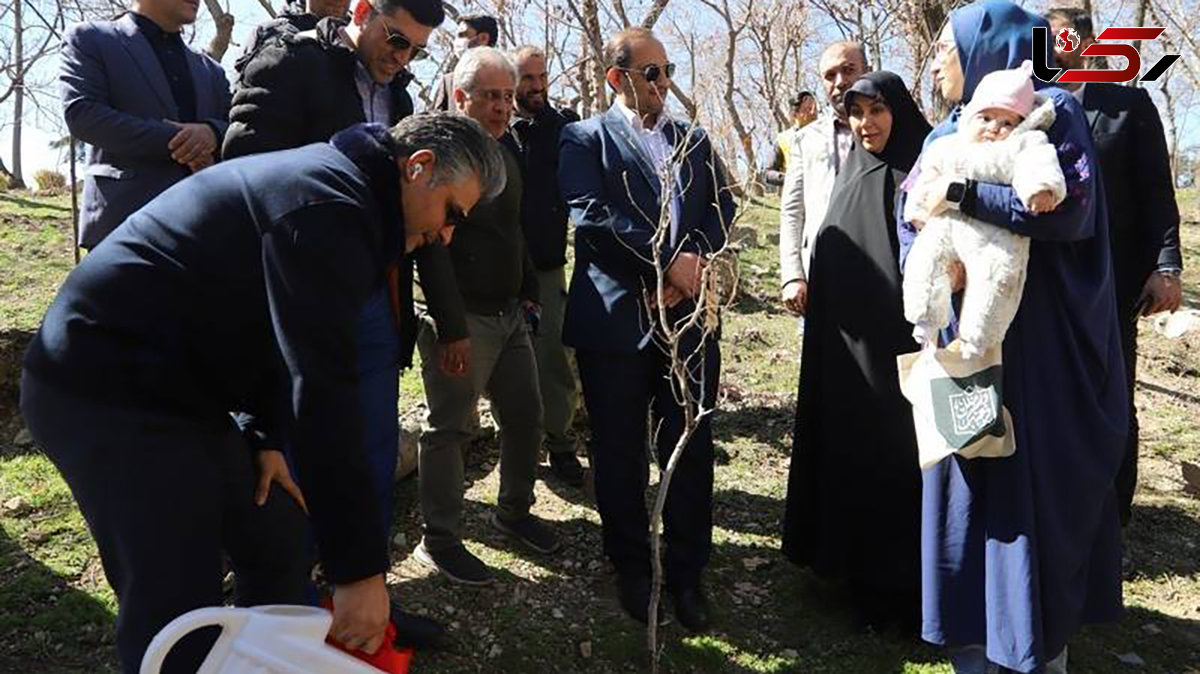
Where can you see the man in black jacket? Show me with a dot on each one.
(499, 289)
(302, 87)
(189, 310)
(1143, 216)
(537, 126)
(297, 16)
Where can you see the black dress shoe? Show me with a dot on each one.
(634, 595)
(416, 631)
(691, 607)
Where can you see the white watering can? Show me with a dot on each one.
(280, 639)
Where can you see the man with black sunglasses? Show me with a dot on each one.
(617, 172)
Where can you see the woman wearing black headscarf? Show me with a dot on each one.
(854, 492)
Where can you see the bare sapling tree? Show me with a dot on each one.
(683, 329)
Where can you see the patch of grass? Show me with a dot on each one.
(25, 204)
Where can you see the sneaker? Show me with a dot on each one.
(529, 530)
(566, 467)
(456, 563)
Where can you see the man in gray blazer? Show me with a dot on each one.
(151, 109)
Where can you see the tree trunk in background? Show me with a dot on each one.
(1140, 21)
(591, 18)
(584, 78)
(18, 180)
(224, 23)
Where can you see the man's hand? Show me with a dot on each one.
(201, 164)
(670, 297)
(684, 273)
(193, 145)
(1165, 292)
(455, 357)
(272, 467)
(360, 614)
(795, 297)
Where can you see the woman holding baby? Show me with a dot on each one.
(1019, 552)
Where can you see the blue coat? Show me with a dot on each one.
(615, 196)
(116, 99)
(1018, 553)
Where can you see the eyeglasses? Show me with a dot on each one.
(944, 48)
(401, 42)
(494, 95)
(652, 71)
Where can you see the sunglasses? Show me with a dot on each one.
(652, 71)
(400, 42)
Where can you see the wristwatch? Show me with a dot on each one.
(955, 193)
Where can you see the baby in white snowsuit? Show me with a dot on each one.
(999, 140)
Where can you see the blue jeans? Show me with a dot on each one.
(379, 393)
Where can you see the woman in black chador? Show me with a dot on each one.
(854, 492)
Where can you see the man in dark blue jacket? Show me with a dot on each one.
(611, 172)
(238, 284)
(151, 109)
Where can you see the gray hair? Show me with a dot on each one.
(475, 60)
(526, 51)
(847, 45)
(463, 149)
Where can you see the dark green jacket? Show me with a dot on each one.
(491, 261)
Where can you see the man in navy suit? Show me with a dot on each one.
(151, 109)
(611, 172)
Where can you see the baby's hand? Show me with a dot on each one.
(1042, 202)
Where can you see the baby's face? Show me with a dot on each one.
(992, 124)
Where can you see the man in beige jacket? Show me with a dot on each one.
(820, 149)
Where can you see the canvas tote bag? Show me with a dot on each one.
(958, 403)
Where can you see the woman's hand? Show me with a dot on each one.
(272, 467)
(1042, 202)
(933, 198)
(958, 276)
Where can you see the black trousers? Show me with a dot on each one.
(620, 389)
(1126, 482)
(166, 498)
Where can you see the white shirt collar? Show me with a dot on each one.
(635, 120)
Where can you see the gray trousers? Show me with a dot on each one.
(556, 376)
(502, 366)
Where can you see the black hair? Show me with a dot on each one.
(798, 99)
(1079, 19)
(426, 12)
(482, 23)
